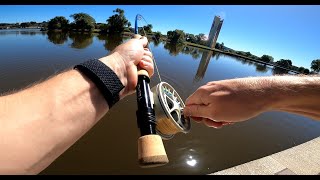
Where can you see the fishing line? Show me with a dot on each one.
(154, 61)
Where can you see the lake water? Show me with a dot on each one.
(110, 147)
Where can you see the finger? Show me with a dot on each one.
(144, 41)
(198, 96)
(197, 111)
(196, 119)
(211, 123)
(147, 59)
(147, 66)
(147, 53)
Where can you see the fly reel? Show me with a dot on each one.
(168, 108)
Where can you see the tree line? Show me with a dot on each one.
(118, 23)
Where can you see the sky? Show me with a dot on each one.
(282, 31)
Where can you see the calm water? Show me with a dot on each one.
(28, 56)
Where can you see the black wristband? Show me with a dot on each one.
(104, 78)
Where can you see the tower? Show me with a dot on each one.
(214, 32)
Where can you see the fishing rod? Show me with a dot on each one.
(151, 151)
(159, 115)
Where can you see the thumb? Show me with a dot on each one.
(196, 111)
(136, 36)
(142, 39)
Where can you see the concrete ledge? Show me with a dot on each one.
(303, 159)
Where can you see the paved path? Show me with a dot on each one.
(303, 159)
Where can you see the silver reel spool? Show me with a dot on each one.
(168, 108)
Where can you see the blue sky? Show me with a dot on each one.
(282, 31)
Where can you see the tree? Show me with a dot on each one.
(148, 28)
(176, 36)
(24, 25)
(315, 65)
(222, 46)
(201, 39)
(33, 23)
(266, 58)
(157, 35)
(190, 38)
(306, 71)
(285, 65)
(58, 22)
(83, 21)
(117, 22)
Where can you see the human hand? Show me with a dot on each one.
(124, 60)
(225, 102)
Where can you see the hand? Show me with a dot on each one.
(124, 60)
(225, 102)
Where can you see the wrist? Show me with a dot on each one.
(105, 79)
(114, 61)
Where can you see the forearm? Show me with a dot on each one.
(40, 123)
(297, 94)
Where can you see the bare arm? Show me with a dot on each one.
(38, 124)
(223, 102)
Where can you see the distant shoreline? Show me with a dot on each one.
(237, 55)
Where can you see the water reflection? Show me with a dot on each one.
(191, 162)
(203, 65)
(261, 67)
(57, 37)
(81, 40)
(194, 52)
(174, 49)
(30, 32)
(155, 42)
(277, 71)
(111, 41)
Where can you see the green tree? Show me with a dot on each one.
(83, 21)
(33, 23)
(190, 38)
(222, 47)
(176, 36)
(266, 58)
(285, 65)
(117, 22)
(315, 65)
(157, 35)
(306, 71)
(201, 39)
(58, 22)
(248, 54)
(25, 24)
(148, 28)
(218, 46)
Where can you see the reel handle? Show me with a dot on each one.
(151, 151)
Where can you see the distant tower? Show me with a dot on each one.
(214, 32)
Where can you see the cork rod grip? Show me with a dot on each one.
(151, 151)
